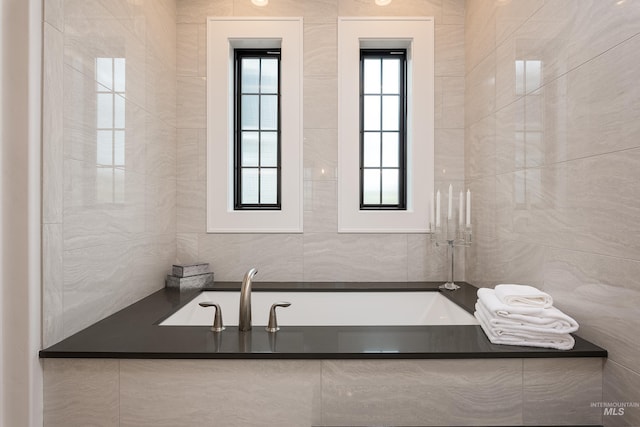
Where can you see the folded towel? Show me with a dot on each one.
(551, 320)
(556, 341)
(494, 305)
(523, 296)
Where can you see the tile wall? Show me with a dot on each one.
(320, 253)
(552, 153)
(109, 162)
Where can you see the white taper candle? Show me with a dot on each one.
(468, 207)
(438, 209)
(432, 212)
(460, 211)
(450, 202)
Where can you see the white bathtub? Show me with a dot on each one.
(328, 309)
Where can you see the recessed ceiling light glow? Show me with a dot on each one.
(383, 2)
(260, 3)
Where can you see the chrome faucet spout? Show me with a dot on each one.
(244, 323)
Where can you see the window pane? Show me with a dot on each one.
(118, 148)
(119, 74)
(269, 149)
(269, 112)
(389, 186)
(371, 155)
(249, 148)
(104, 73)
(250, 71)
(268, 186)
(391, 76)
(105, 111)
(104, 147)
(390, 112)
(372, 76)
(250, 112)
(249, 186)
(371, 112)
(104, 185)
(371, 187)
(269, 83)
(519, 77)
(118, 112)
(533, 75)
(390, 150)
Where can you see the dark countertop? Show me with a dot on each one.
(133, 333)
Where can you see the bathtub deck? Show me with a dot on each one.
(133, 333)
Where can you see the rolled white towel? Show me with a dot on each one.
(551, 320)
(556, 341)
(523, 296)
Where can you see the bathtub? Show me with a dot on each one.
(328, 309)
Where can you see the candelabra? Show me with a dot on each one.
(452, 237)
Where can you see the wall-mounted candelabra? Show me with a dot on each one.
(450, 232)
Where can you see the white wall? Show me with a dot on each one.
(20, 64)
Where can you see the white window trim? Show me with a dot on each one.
(416, 34)
(223, 35)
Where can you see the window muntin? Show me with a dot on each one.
(257, 129)
(383, 129)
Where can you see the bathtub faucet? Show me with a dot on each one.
(244, 323)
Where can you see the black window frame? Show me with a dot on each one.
(240, 54)
(402, 132)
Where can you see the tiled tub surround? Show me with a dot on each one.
(303, 376)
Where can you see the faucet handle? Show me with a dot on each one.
(217, 318)
(273, 321)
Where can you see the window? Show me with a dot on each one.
(382, 129)
(385, 124)
(257, 129)
(110, 130)
(257, 186)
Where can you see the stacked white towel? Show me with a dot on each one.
(523, 315)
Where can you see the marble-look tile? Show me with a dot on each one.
(104, 208)
(187, 248)
(52, 125)
(355, 257)
(449, 154)
(480, 32)
(187, 154)
(621, 385)
(185, 392)
(510, 135)
(153, 257)
(52, 284)
(422, 392)
(509, 16)
(274, 8)
(202, 50)
(480, 148)
(160, 30)
(561, 390)
(278, 257)
(320, 207)
(187, 49)
(449, 53)
(54, 13)
(428, 262)
(395, 8)
(320, 11)
(604, 116)
(585, 283)
(452, 115)
(191, 103)
(160, 205)
(320, 154)
(320, 49)
(81, 392)
(196, 11)
(191, 206)
(160, 150)
(162, 91)
(453, 12)
(480, 91)
(321, 102)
